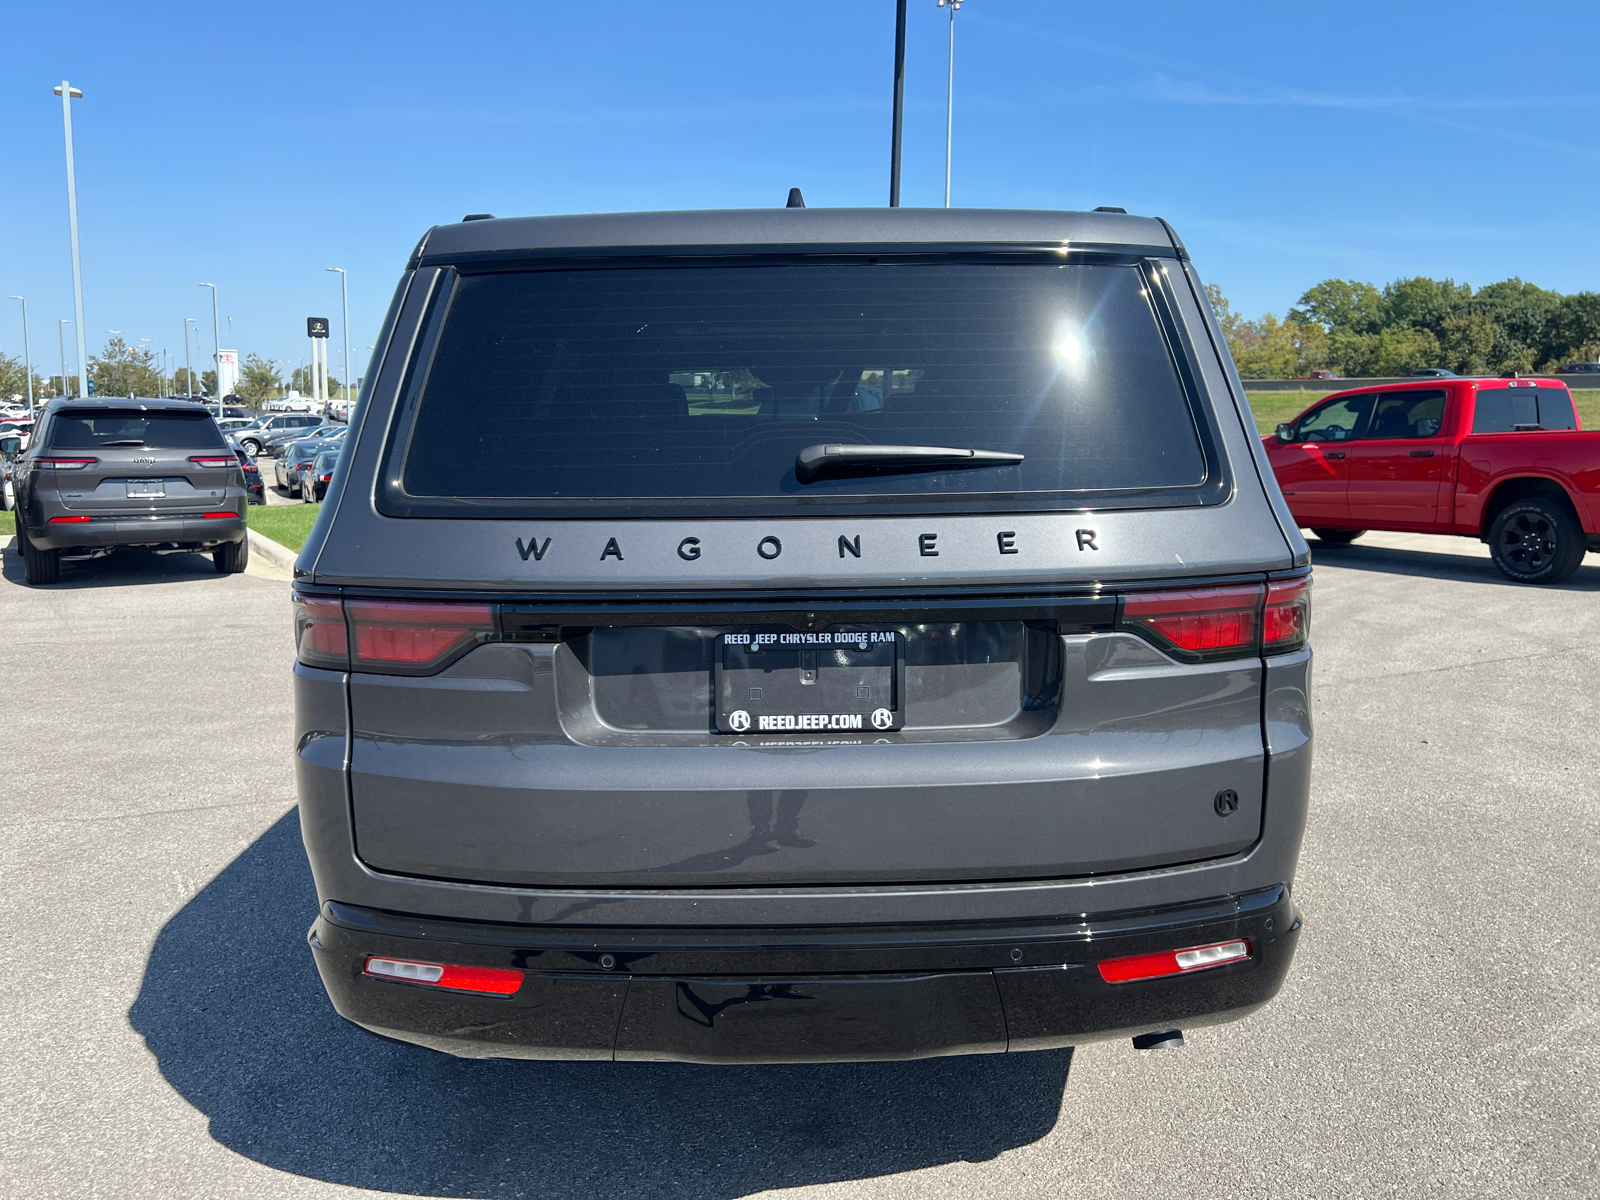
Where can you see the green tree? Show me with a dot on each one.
(1465, 342)
(258, 381)
(1423, 303)
(14, 381)
(1577, 327)
(1337, 304)
(1402, 349)
(1525, 322)
(208, 383)
(1226, 317)
(180, 382)
(121, 370)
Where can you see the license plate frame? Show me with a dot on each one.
(856, 682)
(147, 489)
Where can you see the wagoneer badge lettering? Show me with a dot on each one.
(532, 548)
(689, 549)
(612, 550)
(769, 547)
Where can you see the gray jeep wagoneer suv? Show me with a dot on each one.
(801, 635)
(100, 474)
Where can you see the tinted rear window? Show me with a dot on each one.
(90, 429)
(704, 382)
(1504, 410)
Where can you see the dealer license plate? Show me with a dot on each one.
(831, 682)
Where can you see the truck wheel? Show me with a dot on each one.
(38, 566)
(1338, 537)
(232, 557)
(1536, 541)
(251, 447)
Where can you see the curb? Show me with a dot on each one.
(275, 553)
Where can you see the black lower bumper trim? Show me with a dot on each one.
(986, 992)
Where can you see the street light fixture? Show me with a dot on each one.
(344, 284)
(27, 360)
(950, 94)
(68, 94)
(216, 342)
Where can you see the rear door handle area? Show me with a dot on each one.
(1335, 454)
(1422, 454)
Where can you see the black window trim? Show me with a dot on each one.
(1216, 485)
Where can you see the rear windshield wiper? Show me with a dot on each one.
(125, 442)
(815, 460)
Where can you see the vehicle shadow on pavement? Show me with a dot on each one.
(235, 1015)
(131, 566)
(1463, 568)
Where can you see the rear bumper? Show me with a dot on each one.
(139, 531)
(802, 995)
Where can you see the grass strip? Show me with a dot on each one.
(287, 524)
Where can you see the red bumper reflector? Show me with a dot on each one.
(69, 520)
(222, 514)
(491, 981)
(1172, 962)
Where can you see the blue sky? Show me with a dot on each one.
(253, 146)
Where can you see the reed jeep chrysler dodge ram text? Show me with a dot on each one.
(798, 635)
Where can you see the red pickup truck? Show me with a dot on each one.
(1501, 460)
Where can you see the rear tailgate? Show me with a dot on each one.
(139, 462)
(602, 471)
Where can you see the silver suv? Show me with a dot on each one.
(100, 474)
(255, 436)
(802, 635)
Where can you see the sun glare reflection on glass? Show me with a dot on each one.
(1068, 346)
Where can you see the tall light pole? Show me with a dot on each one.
(899, 102)
(949, 94)
(27, 360)
(61, 337)
(68, 94)
(216, 342)
(188, 363)
(344, 284)
(143, 344)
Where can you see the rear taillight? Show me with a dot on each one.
(1173, 962)
(1286, 621)
(213, 461)
(65, 464)
(1196, 624)
(319, 633)
(490, 981)
(412, 636)
(391, 637)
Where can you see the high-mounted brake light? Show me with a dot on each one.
(1199, 623)
(1172, 962)
(65, 464)
(213, 460)
(490, 981)
(1286, 621)
(413, 635)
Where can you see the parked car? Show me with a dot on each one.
(10, 447)
(1581, 368)
(289, 466)
(102, 474)
(316, 476)
(254, 437)
(1432, 373)
(253, 485)
(928, 678)
(1501, 460)
(1324, 375)
(274, 445)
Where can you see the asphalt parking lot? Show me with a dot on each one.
(166, 1035)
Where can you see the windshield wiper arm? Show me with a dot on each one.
(125, 442)
(814, 460)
